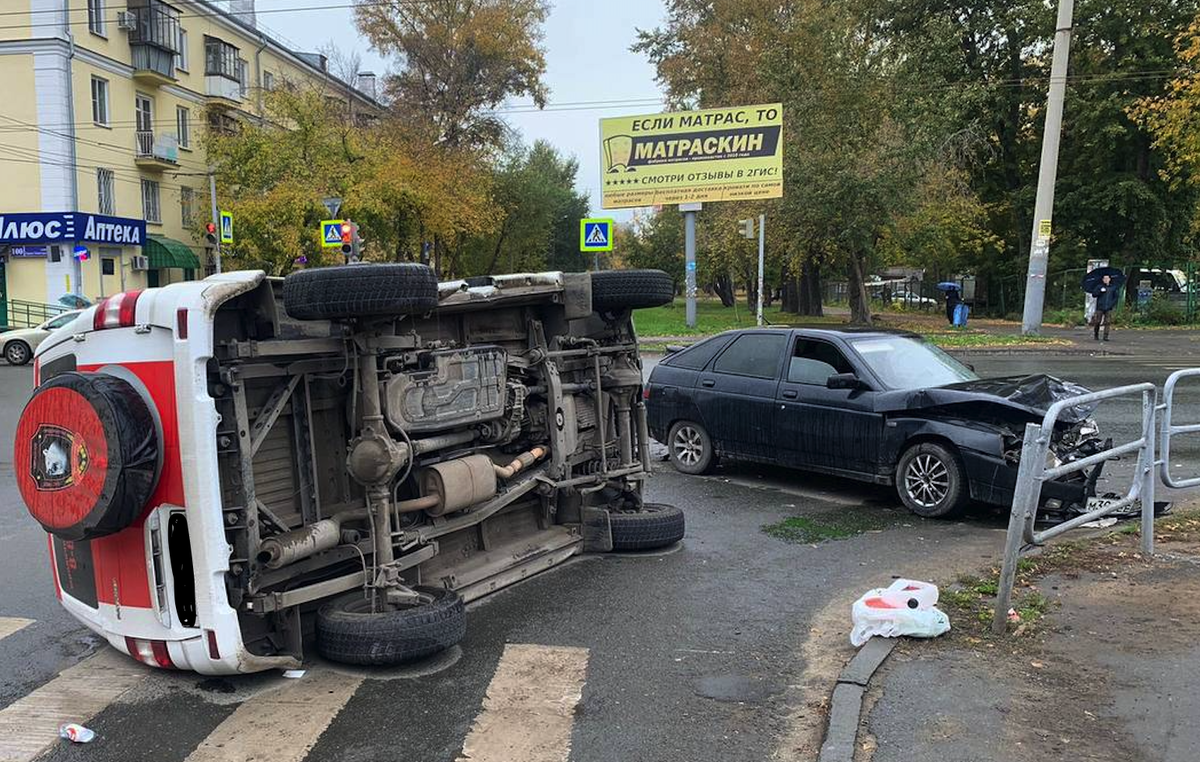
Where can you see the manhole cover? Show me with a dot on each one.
(736, 688)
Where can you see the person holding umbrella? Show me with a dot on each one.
(953, 299)
(1104, 283)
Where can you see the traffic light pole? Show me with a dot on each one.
(216, 218)
(1039, 246)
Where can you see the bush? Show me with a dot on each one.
(1162, 311)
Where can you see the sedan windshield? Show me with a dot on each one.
(903, 362)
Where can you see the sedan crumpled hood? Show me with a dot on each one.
(1025, 398)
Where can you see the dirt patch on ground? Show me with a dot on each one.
(1099, 668)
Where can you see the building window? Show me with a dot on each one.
(221, 59)
(100, 101)
(108, 266)
(268, 80)
(187, 206)
(107, 202)
(183, 123)
(96, 17)
(150, 207)
(181, 58)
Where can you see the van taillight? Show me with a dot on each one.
(151, 652)
(181, 332)
(116, 311)
(214, 652)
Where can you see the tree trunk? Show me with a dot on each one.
(790, 298)
(860, 305)
(723, 287)
(808, 298)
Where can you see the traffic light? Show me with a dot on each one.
(746, 228)
(347, 232)
(210, 233)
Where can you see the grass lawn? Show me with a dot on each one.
(712, 317)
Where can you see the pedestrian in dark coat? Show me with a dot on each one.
(1107, 295)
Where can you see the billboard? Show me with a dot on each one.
(724, 154)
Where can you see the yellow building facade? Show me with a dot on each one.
(105, 106)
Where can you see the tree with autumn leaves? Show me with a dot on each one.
(436, 168)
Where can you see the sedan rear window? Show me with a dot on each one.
(697, 356)
(752, 354)
(903, 362)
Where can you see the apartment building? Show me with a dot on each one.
(103, 108)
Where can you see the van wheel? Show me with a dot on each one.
(350, 633)
(360, 290)
(931, 482)
(17, 353)
(616, 290)
(656, 525)
(690, 448)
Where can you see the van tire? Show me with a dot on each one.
(360, 290)
(657, 525)
(350, 633)
(616, 290)
(87, 455)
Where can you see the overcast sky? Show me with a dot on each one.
(587, 60)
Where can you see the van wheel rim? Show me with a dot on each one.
(927, 481)
(688, 447)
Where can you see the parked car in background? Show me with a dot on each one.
(879, 406)
(21, 343)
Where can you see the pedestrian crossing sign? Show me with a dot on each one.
(331, 233)
(596, 235)
(226, 227)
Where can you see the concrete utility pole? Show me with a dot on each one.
(1039, 250)
(689, 252)
(762, 238)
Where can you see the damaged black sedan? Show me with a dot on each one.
(880, 406)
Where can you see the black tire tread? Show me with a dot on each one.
(961, 488)
(392, 637)
(656, 526)
(360, 290)
(28, 351)
(615, 290)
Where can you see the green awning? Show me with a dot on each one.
(166, 252)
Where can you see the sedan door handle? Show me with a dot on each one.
(708, 382)
(791, 395)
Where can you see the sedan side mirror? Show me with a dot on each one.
(845, 381)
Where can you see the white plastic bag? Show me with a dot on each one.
(907, 607)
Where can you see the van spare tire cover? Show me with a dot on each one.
(86, 455)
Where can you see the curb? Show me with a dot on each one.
(845, 708)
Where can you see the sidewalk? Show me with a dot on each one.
(1108, 674)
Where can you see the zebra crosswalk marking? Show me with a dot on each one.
(281, 725)
(30, 724)
(11, 624)
(530, 705)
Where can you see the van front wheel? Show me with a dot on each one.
(348, 631)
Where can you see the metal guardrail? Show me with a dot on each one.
(22, 314)
(1033, 473)
(1169, 430)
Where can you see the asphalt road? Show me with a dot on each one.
(706, 652)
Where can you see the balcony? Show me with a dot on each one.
(154, 41)
(223, 91)
(153, 65)
(156, 152)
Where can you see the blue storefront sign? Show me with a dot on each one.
(29, 251)
(56, 227)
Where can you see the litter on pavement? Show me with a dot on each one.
(907, 607)
(76, 733)
(295, 674)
